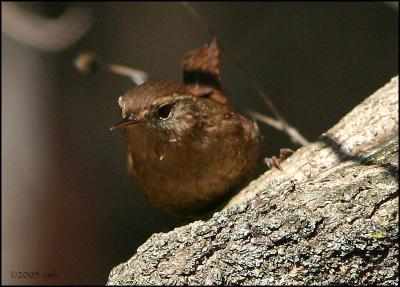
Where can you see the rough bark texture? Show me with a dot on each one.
(330, 217)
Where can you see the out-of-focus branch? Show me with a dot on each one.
(50, 35)
(393, 4)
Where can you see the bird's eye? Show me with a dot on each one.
(164, 111)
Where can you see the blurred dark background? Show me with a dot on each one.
(68, 206)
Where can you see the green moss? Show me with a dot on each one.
(378, 235)
(385, 223)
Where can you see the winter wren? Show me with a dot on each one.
(187, 149)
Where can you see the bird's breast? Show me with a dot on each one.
(183, 175)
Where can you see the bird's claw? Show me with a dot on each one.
(272, 162)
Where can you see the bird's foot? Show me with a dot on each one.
(271, 162)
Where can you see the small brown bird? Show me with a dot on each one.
(187, 149)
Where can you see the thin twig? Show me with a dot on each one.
(284, 125)
(294, 135)
(89, 63)
(137, 76)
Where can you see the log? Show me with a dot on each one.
(330, 217)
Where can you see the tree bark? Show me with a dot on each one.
(330, 217)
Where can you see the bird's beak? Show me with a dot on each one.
(124, 123)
